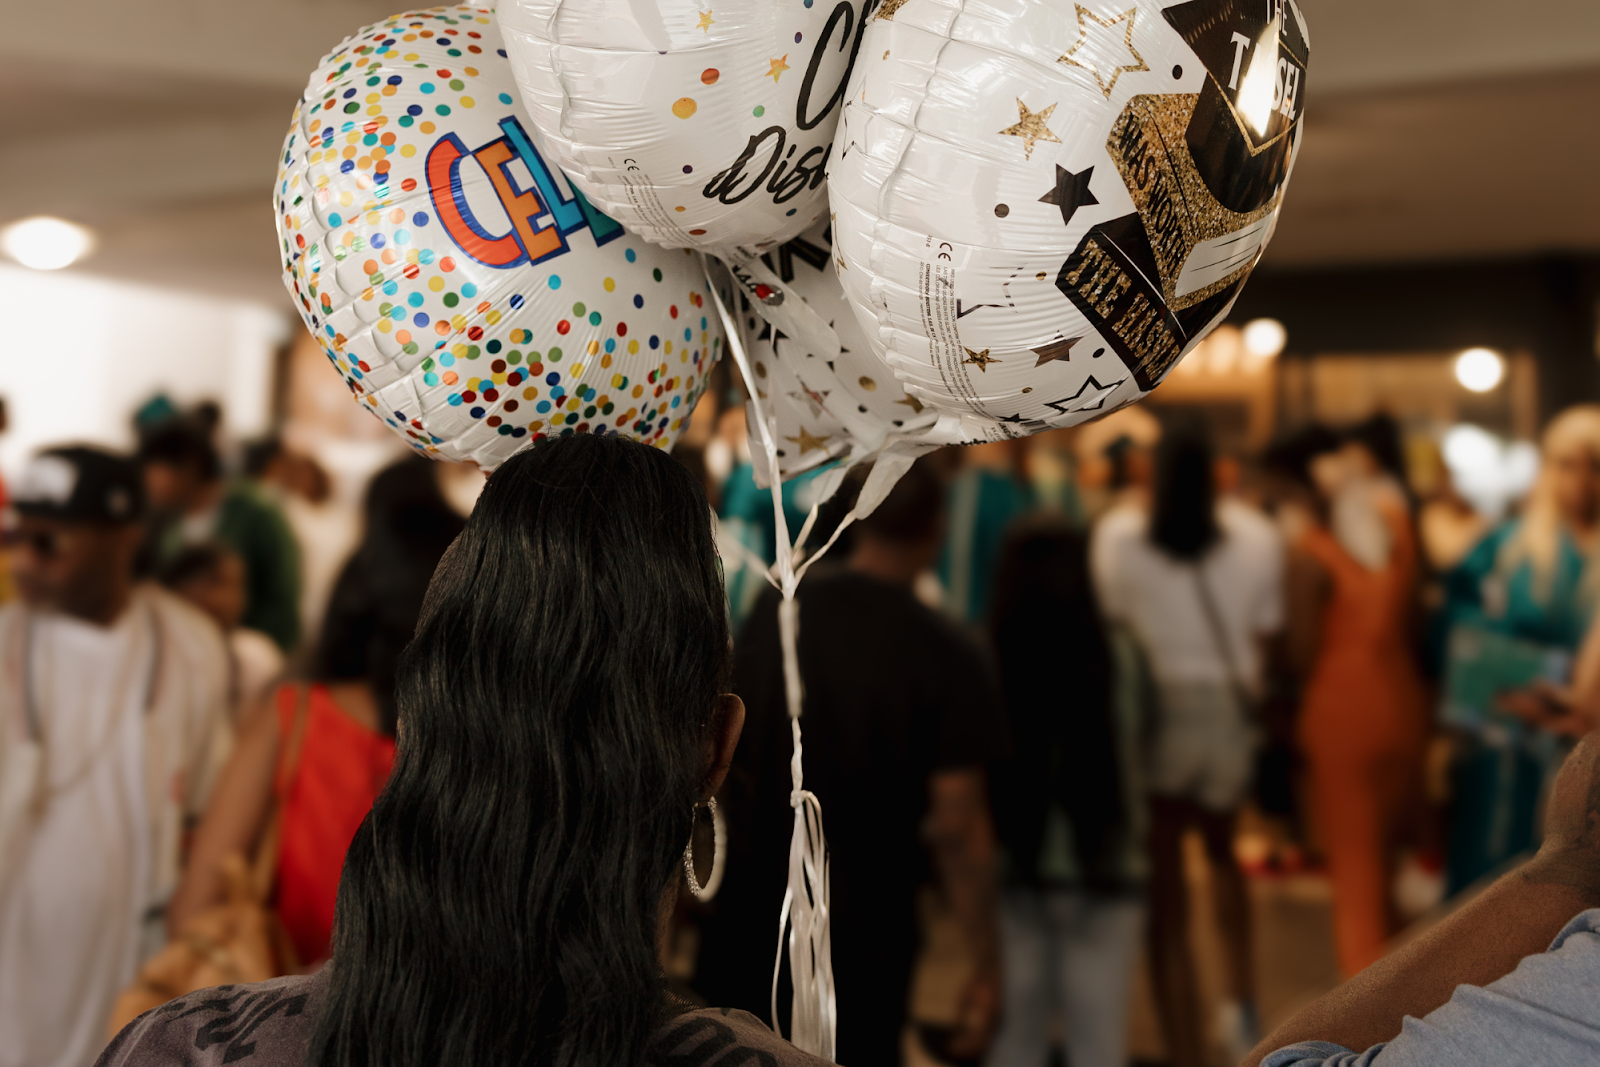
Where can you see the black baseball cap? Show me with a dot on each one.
(80, 484)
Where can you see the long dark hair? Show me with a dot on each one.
(372, 611)
(1183, 518)
(1046, 627)
(499, 905)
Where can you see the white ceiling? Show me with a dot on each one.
(1436, 129)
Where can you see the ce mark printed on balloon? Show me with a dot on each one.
(1041, 207)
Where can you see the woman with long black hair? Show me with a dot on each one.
(1199, 582)
(563, 717)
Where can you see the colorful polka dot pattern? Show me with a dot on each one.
(407, 173)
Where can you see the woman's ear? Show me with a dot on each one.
(727, 720)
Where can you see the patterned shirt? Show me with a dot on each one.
(269, 1024)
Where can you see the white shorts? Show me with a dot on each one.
(1203, 748)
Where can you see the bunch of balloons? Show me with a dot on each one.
(912, 223)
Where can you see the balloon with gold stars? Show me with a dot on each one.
(1041, 206)
(846, 407)
(695, 123)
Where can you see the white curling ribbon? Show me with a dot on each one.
(813, 1026)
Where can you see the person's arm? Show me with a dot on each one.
(1518, 916)
(234, 816)
(271, 554)
(960, 832)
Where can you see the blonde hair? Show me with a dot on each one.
(1537, 540)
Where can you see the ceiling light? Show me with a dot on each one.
(1480, 369)
(1265, 338)
(45, 243)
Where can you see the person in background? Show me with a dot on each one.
(1533, 578)
(902, 720)
(211, 578)
(1448, 526)
(1199, 583)
(1115, 458)
(990, 490)
(1364, 718)
(1068, 804)
(345, 744)
(565, 721)
(1512, 976)
(326, 525)
(6, 589)
(195, 503)
(113, 721)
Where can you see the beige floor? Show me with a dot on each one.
(1294, 960)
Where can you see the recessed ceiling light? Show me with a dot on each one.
(46, 243)
(1480, 369)
(1265, 338)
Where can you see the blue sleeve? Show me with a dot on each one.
(1545, 1012)
(1320, 1054)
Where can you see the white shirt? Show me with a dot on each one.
(1156, 597)
(126, 756)
(257, 662)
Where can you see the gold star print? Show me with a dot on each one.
(1095, 57)
(913, 403)
(1031, 127)
(706, 22)
(981, 360)
(808, 443)
(888, 8)
(778, 67)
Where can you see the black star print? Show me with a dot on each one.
(1071, 192)
(1017, 418)
(1091, 396)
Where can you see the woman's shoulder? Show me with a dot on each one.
(728, 1035)
(264, 1024)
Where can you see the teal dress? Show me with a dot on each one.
(982, 504)
(1500, 771)
(746, 516)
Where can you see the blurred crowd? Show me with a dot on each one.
(1043, 665)
(1036, 676)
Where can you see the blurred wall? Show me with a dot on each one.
(81, 354)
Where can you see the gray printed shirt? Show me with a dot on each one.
(1547, 1012)
(269, 1024)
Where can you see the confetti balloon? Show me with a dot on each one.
(1040, 207)
(696, 123)
(467, 294)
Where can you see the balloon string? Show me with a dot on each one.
(813, 1015)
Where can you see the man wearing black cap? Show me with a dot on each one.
(113, 719)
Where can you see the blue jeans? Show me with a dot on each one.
(1069, 951)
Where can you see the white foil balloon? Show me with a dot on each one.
(468, 297)
(1040, 207)
(802, 389)
(694, 123)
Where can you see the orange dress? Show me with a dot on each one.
(1363, 730)
(342, 767)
